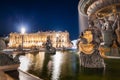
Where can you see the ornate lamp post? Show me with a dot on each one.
(22, 33)
(57, 40)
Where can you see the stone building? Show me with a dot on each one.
(58, 39)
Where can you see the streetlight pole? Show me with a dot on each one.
(22, 42)
(22, 33)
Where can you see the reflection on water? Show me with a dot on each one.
(65, 66)
(25, 63)
(57, 62)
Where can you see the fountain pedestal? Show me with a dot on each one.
(88, 47)
(91, 60)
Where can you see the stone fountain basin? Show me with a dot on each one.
(9, 67)
(23, 75)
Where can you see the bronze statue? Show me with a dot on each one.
(88, 46)
(48, 47)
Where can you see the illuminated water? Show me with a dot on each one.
(65, 66)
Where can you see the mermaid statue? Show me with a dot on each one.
(88, 47)
(111, 39)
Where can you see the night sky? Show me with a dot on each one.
(39, 15)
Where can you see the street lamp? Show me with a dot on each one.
(22, 32)
(57, 40)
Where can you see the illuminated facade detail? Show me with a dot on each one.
(59, 39)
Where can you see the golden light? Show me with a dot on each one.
(57, 35)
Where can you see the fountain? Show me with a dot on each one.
(48, 47)
(101, 39)
(88, 46)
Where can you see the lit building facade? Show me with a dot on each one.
(58, 39)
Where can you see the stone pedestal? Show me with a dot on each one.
(93, 60)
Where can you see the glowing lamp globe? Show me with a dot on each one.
(22, 30)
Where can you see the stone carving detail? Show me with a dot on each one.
(111, 39)
(105, 40)
(92, 61)
(88, 46)
(107, 33)
(48, 46)
(6, 60)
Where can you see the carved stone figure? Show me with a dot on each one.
(109, 46)
(48, 47)
(6, 60)
(107, 24)
(107, 33)
(88, 46)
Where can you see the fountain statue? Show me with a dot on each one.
(48, 47)
(88, 47)
(97, 43)
(110, 44)
(106, 32)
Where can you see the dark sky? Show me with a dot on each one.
(39, 15)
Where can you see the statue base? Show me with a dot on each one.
(93, 60)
